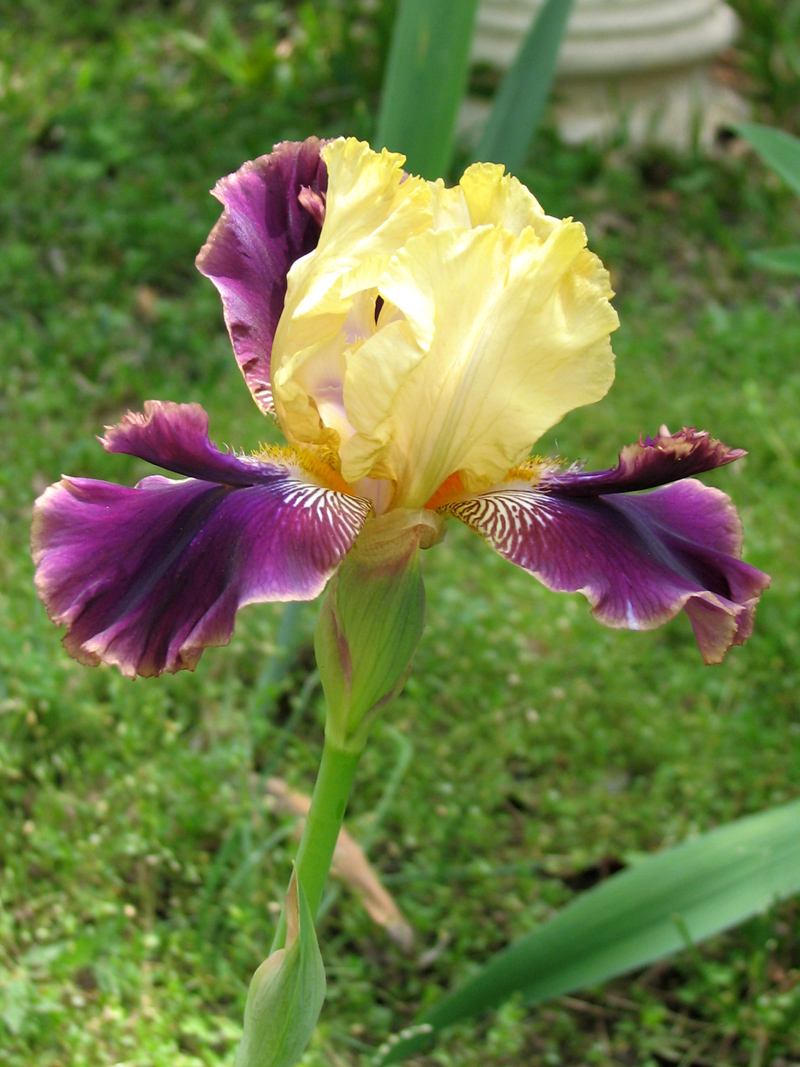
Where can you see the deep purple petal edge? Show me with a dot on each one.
(651, 462)
(175, 437)
(273, 212)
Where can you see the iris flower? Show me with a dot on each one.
(413, 342)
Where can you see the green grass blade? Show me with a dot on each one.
(778, 149)
(523, 93)
(425, 80)
(781, 260)
(684, 894)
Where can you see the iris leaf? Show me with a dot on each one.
(682, 895)
(778, 149)
(781, 152)
(522, 96)
(781, 260)
(425, 79)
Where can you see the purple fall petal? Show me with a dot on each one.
(274, 209)
(147, 577)
(638, 559)
(175, 437)
(651, 462)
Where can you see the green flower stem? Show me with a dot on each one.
(323, 823)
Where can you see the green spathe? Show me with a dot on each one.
(286, 992)
(371, 621)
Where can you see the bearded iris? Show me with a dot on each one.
(413, 342)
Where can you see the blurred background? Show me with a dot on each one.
(143, 850)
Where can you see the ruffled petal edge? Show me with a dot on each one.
(638, 559)
(274, 207)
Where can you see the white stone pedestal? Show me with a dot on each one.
(642, 66)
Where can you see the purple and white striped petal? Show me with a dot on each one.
(639, 559)
(274, 209)
(146, 577)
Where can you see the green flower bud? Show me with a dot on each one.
(371, 621)
(286, 993)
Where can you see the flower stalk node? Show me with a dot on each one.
(371, 621)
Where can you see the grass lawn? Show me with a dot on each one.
(532, 752)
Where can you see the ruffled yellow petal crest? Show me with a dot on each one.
(502, 336)
(438, 331)
(494, 198)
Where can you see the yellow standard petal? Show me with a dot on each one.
(486, 195)
(372, 209)
(504, 327)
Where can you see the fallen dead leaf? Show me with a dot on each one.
(146, 302)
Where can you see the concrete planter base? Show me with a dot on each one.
(640, 67)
